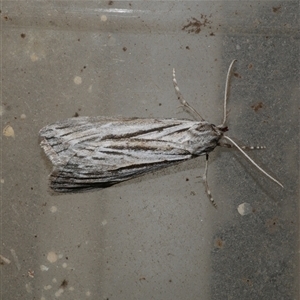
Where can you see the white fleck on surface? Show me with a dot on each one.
(60, 256)
(47, 287)
(23, 116)
(54, 280)
(1, 110)
(103, 18)
(8, 131)
(2, 180)
(88, 293)
(4, 260)
(34, 57)
(44, 268)
(244, 209)
(14, 255)
(104, 222)
(53, 209)
(64, 265)
(30, 273)
(28, 287)
(52, 257)
(78, 80)
(59, 292)
(71, 288)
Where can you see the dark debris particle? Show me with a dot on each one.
(276, 9)
(64, 283)
(256, 107)
(194, 25)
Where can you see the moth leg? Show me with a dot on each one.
(227, 145)
(207, 190)
(183, 102)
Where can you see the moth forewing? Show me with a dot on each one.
(100, 152)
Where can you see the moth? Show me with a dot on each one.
(98, 152)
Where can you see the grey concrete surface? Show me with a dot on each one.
(157, 236)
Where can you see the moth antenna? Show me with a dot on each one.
(226, 92)
(182, 100)
(252, 161)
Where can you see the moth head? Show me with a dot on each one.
(204, 137)
(222, 128)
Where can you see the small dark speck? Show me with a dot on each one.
(212, 34)
(276, 9)
(159, 104)
(124, 49)
(110, 2)
(23, 35)
(186, 179)
(247, 281)
(237, 75)
(250, 66)
(219, 243)
(76, 115)
(187, 48)
(272, 224)
(78, 40)
(256, 107)
(170, 280)
(64, 283)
